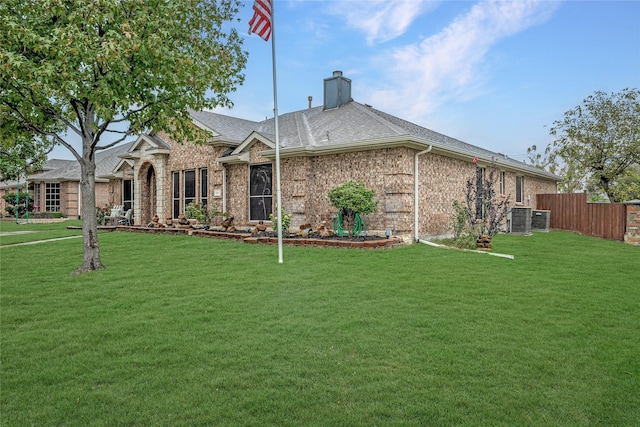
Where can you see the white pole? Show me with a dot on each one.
(275, 114)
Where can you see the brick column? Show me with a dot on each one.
(632, 236)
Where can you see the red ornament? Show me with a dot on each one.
(475, 159)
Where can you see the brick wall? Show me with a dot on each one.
(442, 180)
(388, 172)
(193, 157)
(306, 181)
(238, 192)
(108, 194)
(69, 199)
(632, 235)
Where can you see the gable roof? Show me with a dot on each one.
(155, 142)
(59, 170)
(352, 127)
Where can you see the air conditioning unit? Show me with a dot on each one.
(519, 220)
(540, 220)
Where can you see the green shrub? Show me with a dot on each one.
(202, 213)
(352, 198)
(286, 221)
(21, 204)
(102, 214)
(465, 232)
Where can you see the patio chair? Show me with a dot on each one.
(115, 214)
(127, 218)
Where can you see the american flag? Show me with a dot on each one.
(260, 24)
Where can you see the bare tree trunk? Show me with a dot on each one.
(91, 251)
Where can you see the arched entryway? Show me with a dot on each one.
(148, 196)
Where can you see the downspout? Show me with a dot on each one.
(416, 182)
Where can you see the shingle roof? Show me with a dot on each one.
(107, 160)
(69, 170)
(58, 170)
(232, 128)
(350, 123)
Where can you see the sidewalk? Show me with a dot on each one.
(35, 241)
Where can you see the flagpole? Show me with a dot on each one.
(275, 115)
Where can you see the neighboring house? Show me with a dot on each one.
(416, 173)
(56, 188)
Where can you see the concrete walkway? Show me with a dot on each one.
(38, 241)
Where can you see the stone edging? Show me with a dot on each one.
(248, 238)
(39, 220)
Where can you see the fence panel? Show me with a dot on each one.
(571, 212)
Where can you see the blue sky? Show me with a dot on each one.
(493, 74)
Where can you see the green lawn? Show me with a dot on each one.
(186, 331)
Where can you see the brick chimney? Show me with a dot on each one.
(337, 91)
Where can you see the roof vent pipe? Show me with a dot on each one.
(310, 98)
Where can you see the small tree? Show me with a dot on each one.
(352, 198)
(465, 232)
(482, 212)
(21, 205)
(106, 71)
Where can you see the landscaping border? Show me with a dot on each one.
(267, 240)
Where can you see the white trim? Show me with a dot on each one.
(252, 139)
(239, 158)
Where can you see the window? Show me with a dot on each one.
(204, 188)
(189, 187)
(519, 189)
(175, 194)
(185, 192)
(52, 197)
(127, 194)
(502, 183)
(260, 194)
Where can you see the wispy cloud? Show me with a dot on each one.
(381, 20)
(450, 64)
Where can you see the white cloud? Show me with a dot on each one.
(450, 64)
(381, 20)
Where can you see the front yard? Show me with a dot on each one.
(181, 330)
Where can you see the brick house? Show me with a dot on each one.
(416, 173)
(56, 188)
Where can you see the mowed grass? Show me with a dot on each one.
(189, 331)
(12, 233)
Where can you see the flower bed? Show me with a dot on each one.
(370, 242)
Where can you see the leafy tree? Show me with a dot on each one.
(627, 187)
(105, 70)
(352, 198)
(20, 152)
(596, 142)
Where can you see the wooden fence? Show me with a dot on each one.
(572, 212)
